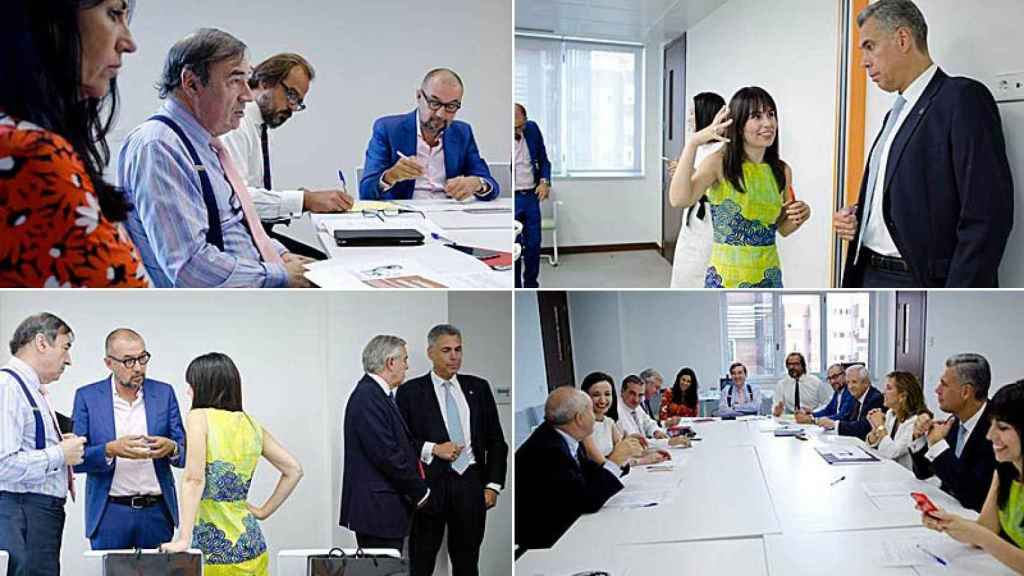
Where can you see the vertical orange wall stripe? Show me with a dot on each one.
(857, 104)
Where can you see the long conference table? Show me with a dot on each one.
(488, 225)
(743, 501)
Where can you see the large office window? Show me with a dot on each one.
(587, 99)
(761, 328)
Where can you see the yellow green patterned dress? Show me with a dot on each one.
(743, 253)
(1012, 517)
(225, 531)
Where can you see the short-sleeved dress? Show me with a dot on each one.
(227, 533)
(744, 254)
(52, 233)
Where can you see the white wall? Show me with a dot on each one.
(369, 58)
(977, 40)
(596, 328)
(989, 323)
(789, 49)
(299, 355)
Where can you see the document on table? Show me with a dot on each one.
(844, 454)
(923, 550)
(452, 205)
(466, 220)
(639, 499)
(901, 488)
(428, 266)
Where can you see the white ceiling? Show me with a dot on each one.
(628, 20)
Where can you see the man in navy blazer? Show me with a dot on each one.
(382, 483)
(532, 171)
(838, 406)
(454, 422)
(957, 450)
(427, 153)
(936, 202)
(135, 435)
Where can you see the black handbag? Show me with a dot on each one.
(338, 563)
(159, 564)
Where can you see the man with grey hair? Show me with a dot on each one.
(865, 398)
(35, 456)
(194, 222)
(652, 393)
(382, 483)
(956, 449)
(555, 481)
(427, 153)
(456, 431)
(936, 202)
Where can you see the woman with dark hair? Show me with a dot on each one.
(749, 188)
(693, 244)
(892, 431)
(59, 62)
(681, 398)
(607, 433)
(224, 446)
(999, 530)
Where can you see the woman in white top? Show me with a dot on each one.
(607, 432)
(693, 245)
(893, 433)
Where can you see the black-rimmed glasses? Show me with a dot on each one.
(130, 362)
(294, 99)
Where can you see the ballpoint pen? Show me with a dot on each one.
(932, 555)
(341, 176)
(837, 480)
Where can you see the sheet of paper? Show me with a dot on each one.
(902, 488)
(465, 221)
(921, 551)
(638, 499)
(450, 205)
(842, 453)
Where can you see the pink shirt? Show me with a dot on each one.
(432, 183)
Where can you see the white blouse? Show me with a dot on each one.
(603, 436)
(897, 448)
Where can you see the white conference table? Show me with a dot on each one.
(742, 488)
(488, 225)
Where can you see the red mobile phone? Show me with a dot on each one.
(924, 503)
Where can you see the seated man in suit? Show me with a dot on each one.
(956, 450)
(556, 483)
(135, 435)
(382, 482)
(454, 422)
(840, 404)
(865, 398)
(936, 202)
(427, 153)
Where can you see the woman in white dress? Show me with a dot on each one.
(693, 246)
(892, 433)
(607, 432)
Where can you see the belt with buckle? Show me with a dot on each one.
(890, 263)
(138, 502)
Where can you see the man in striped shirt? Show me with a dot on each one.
(34, 456)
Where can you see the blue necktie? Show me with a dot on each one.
(961, 439)
(455, 429)
(873, 166)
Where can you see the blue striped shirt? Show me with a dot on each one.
(169, 222)
(23, 469)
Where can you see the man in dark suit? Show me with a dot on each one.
(866, 398)
(936, 202)
(532, 171)
(135, 435)
(382, 482)
(447, 412)
(956, 450)
(555, 481)
(427, 153)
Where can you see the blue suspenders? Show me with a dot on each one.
(213, 235)
(40, 430)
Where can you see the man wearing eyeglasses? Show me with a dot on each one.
(279, 87)
(135, 435)
(427, 154)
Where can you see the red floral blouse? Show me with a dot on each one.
(53, 234)
(670, 410)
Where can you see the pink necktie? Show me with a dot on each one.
(259, 235)
(53, 417)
